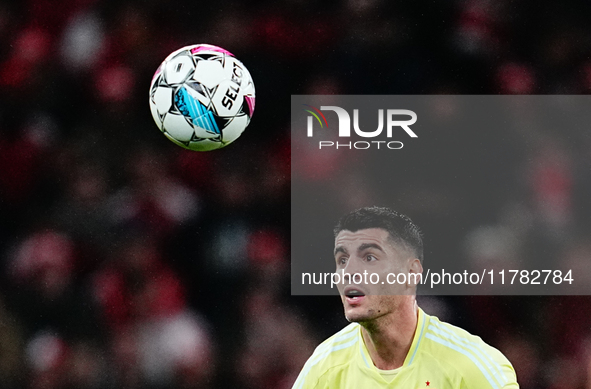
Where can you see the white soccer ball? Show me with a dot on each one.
(202, 97)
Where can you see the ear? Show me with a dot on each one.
(415, 268)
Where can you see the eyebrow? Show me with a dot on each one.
(366, 246)
(340, 249)
(362, 247)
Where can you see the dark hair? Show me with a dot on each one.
(401, 229)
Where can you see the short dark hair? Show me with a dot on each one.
(401, 229)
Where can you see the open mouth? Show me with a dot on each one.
(353, 295)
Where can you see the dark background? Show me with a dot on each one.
(127, 262)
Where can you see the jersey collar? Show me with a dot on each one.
(422, 324)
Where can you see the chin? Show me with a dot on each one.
(358, 315)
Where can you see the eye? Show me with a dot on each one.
(342, 260)
(370, 258)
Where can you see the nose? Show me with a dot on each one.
(354, 265)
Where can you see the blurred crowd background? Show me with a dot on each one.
(127, 262)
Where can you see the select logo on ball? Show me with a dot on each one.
(201, 97)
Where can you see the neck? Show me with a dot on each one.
(388, 338)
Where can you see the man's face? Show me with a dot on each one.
(371, 251)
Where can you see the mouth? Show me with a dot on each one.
(354, 295)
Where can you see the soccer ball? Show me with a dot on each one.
(202, 97)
